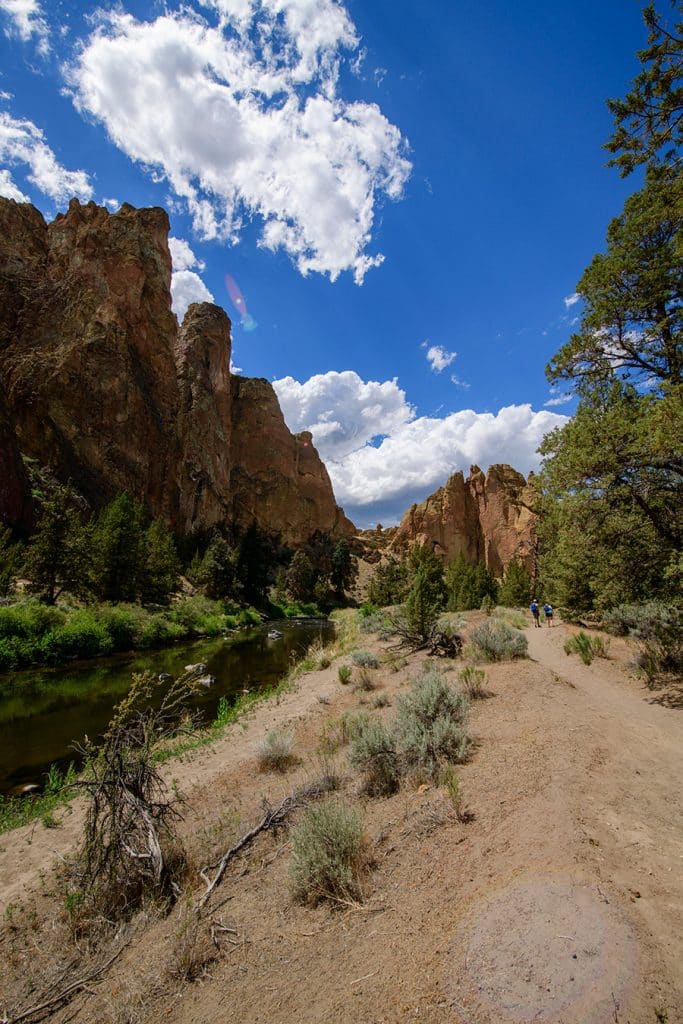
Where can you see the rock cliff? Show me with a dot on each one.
(484, 517)
(102, 386)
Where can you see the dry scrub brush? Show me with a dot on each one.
(431, 724)
(130, 848)
(329, 855)
(374, 752)
(275, 751)
(495, 640)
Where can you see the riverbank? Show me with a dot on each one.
(32, 633)
(559, 899)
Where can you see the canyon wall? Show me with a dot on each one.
(102, 386)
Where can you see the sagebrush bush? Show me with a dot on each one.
(373, 751)
(376, 622)
(366, 659)
(381, 700)
(364, 681)
(495, 640)
(473, 682)
(431, 724)
(659, 629)
(344, 673)
(275, 751)
(328, 854)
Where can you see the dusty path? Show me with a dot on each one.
(561, 902)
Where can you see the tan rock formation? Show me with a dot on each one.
(204, 417)
(484, 517)
(278, 476)
(104, 389)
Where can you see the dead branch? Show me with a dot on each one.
(66, 994)
(272, 818)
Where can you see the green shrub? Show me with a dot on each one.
(190, 612)
(659, 629)
(378, 622)
(123, 623)
(328, 854)
(158, 630)
(83, 636)
(587, 647)
(275, 751)
(29, 620)
(373, 751)
(344, 673)
(430, 724)
(487, 604)
(381, 700)
(581, 645)
(473, 680)
(448, 778)
(366, 659)
(495, 640)
(367, 610)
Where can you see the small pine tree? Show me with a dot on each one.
(389, 583)
(515, 590)
(301, 578)
(217, 570)
(423, 604)
(344, 567)
(161, 568)
(57, 553)
(118, 547)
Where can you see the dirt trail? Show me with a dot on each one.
(561, 902)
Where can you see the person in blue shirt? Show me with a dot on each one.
(548, 612)
(533, 608)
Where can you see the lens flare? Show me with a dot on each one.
(239, 302)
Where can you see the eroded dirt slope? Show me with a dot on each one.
(562, 900)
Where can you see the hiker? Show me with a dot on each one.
(533, 608)
(548, 612)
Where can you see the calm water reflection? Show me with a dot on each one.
(43, 711)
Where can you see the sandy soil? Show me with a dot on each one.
(561, 901)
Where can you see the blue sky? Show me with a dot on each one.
(404, 193)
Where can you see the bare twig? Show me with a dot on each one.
(272, 817)
(66, 994)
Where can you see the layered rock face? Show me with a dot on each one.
(105, 389)
(296, 492)
(486, 518)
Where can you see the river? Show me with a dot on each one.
(43, 711)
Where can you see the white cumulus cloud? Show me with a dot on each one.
(22, 142)
(571, 300)
(9, 189)
(187, 287)
(561, 399)
(182, 256)
(243, 120)
(26, 20)
(343, 412)
(439, 358)
(411, 455)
